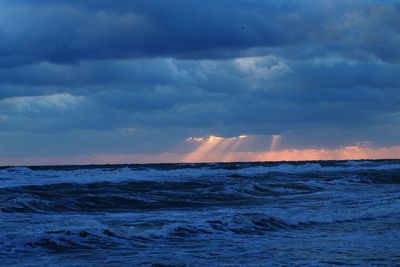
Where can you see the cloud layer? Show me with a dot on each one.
(118, 77)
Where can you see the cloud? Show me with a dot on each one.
(71, 31)
(250, 95)
(320, 74)
(38, 104)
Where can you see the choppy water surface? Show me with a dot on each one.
(237, 214)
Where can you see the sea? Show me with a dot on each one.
(317, 213)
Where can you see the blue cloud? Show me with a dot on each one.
(320, 73)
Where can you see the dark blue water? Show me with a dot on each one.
(239, 214)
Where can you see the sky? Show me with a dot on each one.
(191, 81)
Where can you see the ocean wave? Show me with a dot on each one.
(193, 193)
(19, 176)
(70, 240)
(230, 224)
(144, 195)
(261, 223)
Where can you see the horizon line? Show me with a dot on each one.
(191, 163)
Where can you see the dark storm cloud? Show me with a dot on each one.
(132, 73)
(94, 73)
(263, 95)
(69, 31)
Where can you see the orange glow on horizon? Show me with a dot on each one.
(219, 149)
(343, 153)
